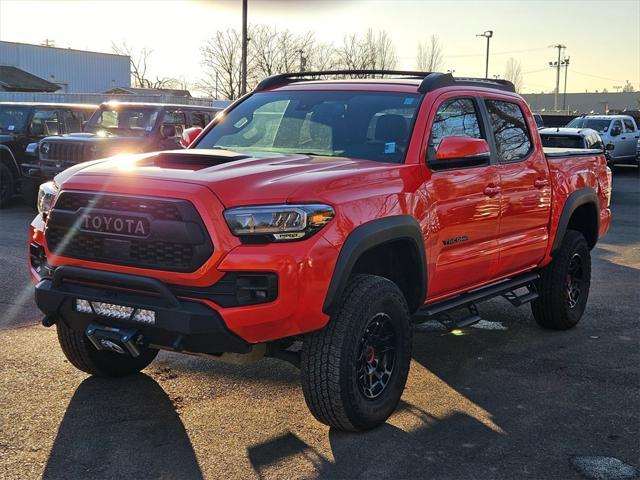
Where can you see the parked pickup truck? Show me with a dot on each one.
(116, 128)
(21, 125)
(315, 221)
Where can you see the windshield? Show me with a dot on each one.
(13, 119)
(128, 122)
(598, 124)
(367, 125)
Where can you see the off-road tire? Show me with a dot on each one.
(552, 308)
(84, 356)
(7, 185)
(330, 357)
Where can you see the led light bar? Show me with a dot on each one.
(118, 312)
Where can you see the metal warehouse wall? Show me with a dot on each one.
(74, 70)
(586, 102)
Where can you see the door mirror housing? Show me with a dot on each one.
(459, 152)
(610, 146)
(189, 135)
(615, 131)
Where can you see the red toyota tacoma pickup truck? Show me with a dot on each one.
(316, 221)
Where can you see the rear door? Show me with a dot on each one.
(465, 204)
(525, 203)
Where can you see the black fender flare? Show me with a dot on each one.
(13, 164)
(576, 199)
(369, 235)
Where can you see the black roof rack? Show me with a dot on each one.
(430, 80)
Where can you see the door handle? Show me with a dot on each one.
(492, 190)
(541, 183)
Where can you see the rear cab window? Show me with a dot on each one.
(510, 130)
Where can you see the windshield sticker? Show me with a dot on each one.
(408, 100)
(11, 128)
(390, 147)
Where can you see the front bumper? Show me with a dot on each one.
(179, 324)
(38, 172)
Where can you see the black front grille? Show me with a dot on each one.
(176, 241)
(68, 152)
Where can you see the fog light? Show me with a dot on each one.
(145, 316)
(83, 306)
(118, 312)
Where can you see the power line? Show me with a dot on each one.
(597, 76)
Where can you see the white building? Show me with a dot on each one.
(75, 71)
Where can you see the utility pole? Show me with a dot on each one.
(245, 40)
(557, 65)
(496, 76)
(487, 34)
(565, 64)
(617, 88)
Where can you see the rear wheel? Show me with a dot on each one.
(564, 285)
(7, 185)
(84, 356)
(355, 369)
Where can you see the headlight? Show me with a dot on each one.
(44, 148)
(277, 223)
(46, 195)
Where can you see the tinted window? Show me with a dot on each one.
(361, 125)
(200, 119)
(13, 119)
(45, 123)
(628, 125)
(510, 130)
(455, 117)
(562, 141)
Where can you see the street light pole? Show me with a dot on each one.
(557, 65)
(565, 62)
(243, 81)
(487, 34)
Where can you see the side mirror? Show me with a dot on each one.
(615, 131)
(456, 152)
(189, 135)
(610, 146)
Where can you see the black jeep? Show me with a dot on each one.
(114, 128)
(22, 124)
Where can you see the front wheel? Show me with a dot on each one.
(84, 356)
(564, 285)
(7, 184)
(354, 370)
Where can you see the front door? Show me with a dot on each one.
(465, 205)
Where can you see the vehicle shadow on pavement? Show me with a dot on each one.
(117, 428)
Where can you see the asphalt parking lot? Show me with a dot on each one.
(511, 401)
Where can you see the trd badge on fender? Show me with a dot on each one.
(115, 224)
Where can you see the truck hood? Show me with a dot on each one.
(239, 179)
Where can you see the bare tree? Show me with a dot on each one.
(513, 73)
(221, 59)
(430, 57)
(373, 52)
(139, 62)
(628, 87)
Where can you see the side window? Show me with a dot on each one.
(44, 123)
(628, 125)
(455, 117)
(510, 130)
(71, 121)
(174, 123)
(200, 119)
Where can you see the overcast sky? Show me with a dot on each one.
(602, 37)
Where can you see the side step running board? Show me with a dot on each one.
(469, 300)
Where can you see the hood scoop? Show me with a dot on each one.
(191, 159)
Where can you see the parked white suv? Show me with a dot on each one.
(620, 131)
